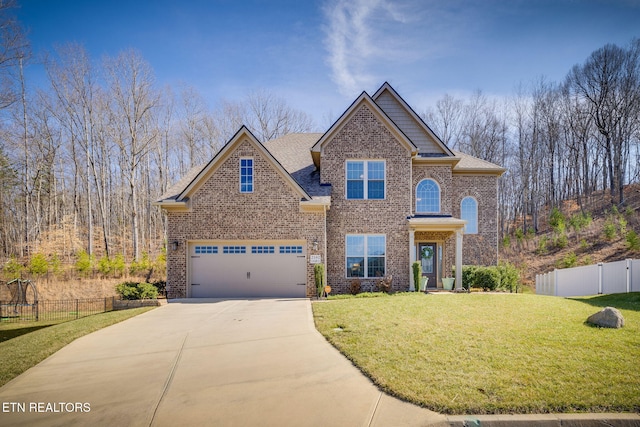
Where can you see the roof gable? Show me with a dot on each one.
(181, 195)
(363, 99)
(409, 122)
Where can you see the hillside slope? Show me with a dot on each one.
(602, 233)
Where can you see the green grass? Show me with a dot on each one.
(23, 345)
(491, 353)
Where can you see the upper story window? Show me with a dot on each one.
(469, 212)
(365, 179)
(246, 175)
(427, 196)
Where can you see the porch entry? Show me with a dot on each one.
(430, 256)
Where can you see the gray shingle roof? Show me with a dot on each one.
(293, 151)
(174, 191)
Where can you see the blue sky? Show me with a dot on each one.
(319, 55)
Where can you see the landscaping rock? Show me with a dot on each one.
(609, 317)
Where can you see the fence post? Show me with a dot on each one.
(628, 275)
(600, 273)
(76, 308)
(555, 282)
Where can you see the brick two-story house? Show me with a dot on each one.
(377, 191)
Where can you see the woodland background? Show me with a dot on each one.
(82, 159)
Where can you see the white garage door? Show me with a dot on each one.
(248, 269)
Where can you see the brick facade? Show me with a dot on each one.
(365, 137)
(220, 212)
(481, 248)
(274, 210)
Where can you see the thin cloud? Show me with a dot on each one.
(353, 39)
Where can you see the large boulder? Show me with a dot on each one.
(609, 317)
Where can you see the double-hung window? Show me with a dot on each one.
(365, 179)
(366, 255)
(246, 175)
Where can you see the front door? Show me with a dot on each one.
(427, 255)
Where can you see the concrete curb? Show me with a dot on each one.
(546, 420)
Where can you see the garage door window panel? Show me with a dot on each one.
(206, 250)
(262, 249)
(234, 250)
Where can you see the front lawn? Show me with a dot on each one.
(23, 345)
(491, 353)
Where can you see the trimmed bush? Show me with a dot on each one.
(161, 286)
(509, 276)
(417, 272)
(355, 287)
(468, 276)
(133, 290)
(318, 276)
(487, 278)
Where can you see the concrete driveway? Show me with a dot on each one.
(205, 362)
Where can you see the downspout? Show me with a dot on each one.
(324, 209)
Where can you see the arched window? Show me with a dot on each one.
(427, 196)
(469, 212)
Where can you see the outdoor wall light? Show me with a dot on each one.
(315, 245)
(174, 245)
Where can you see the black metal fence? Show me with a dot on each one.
(54, 310)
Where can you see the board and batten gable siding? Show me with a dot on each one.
(364, 136)
(407, 124)
(220, 212)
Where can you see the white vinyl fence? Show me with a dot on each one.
(604, 278)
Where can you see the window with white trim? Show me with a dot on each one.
(366, 255)
(246, 175)
(427, 196)
(365, 179)
(469, 212)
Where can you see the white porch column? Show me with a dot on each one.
(412, 256)
(459, 260)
